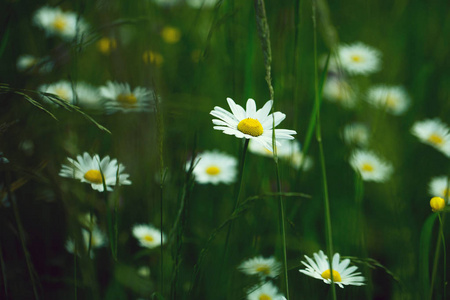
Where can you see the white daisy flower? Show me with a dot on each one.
(267, 291)
(393, 99)
(356, 134)
(370, 166)
(30, 63)
(98, 238)
(89, 169)
(359, 59)
(201, 3)
(339, 91)
(251, 124)
(148, 236)
(214, 167)
(434, 133)
(120, 97)
(264, 267)
(88, 96)
(342, 274)
(70, 246)
(55, 22)
(439, 187)
(62, 89)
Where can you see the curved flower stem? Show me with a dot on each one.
(440, 240)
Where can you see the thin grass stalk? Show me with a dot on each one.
(437, 253)
(2, 263)
(329, 237)
(444, 248)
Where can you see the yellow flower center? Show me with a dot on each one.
(105, 45)
(149, 238)
(437, 204)
(213, 170)
(251, 127)
(59, 23)
(367, 167)
(356, 58)
(127, 99)
(152, 57)
(62, 93)
(93, 176)
(336, 276)
(263, 269)
(435, 139)
(170, 35)
(391, 101)
(264, 297)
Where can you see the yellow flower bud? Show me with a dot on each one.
(437, 204)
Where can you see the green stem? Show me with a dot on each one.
(2, 262)
(437, 253)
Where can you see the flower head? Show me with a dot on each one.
(319, 268)
(201, 3)
(98, 240)
(439, 187)
(356, 134)
(370, 166)
(251, 124)
(359, 59)
(264, 267)
(105, 45)
(90, 170)
(393, 99)
(339, 91)
(30, 63)
(120, 97)
(267, 291)
(437, 204)
(88, 96)
(148, 236)
(434, 133)
(214, 167)
(170, 35)
(62, 89)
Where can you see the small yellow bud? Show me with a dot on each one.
(437, 204)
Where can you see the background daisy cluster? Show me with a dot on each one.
(129, 89)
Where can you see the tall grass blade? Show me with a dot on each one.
(424, 254)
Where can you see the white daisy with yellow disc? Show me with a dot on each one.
(264, 267)
(266, 291)
(434, 133)
(90, 169)
(392, 99)
(319, 268)
(370, 166)
(214, 167)
(439, 187)
(359, 59)
(339, 91)
(120, 97)
(148, 236)
(62, 89)
(251, 123)
(356, 134)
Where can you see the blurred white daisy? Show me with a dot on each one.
(30, 63)
(88, 96)
(356, 134)
(264, 267)
(120, 97)
(214, 167)
(201, 3)
(88, 220)
(98, 238)
(148, 236)
(144, 271)
(166, 2)
(439, 187)
(250, 123)
(393, 99)
(434, 133)
(370, 166)
(55, 22)
(267, 291)
(339, 91)
(359, 59)
(62, 89)
(319, 268)
(89, 169)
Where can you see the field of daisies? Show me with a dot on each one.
(224, 149)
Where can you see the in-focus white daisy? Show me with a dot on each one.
(370, 166)
(439, 187)
(55, 22)
(214, 167)
(201, 3)
(434, 133)
(289, 150)
(267, 291)
(264, 267)
(89, 169)
(120, 97)
(30, 63)
(250, 123)
(393, 99)
(148, 236)
(339, 91)
(356, 134)
(62, 89)
(359, 59)
(319, 268)
(88, 96)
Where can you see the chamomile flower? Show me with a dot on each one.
(264, 267)
(251, 124)
(88, 96)
(439, 187)
(201, 3)
(55, 22)
(148, 236)
(370, 166)
(434, 133)
(89, 169)
(319, 268)
(359, 59)
(393, 99)
(98, 238)
(62, 89)
(30, 63)
(120, 97)
(267, 291)
(339, 91)
(356, 134)
(214, 167)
